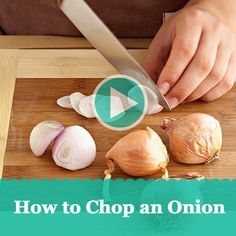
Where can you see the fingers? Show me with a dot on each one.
(192, 58)
(224, 85)
(200, 66)
(215, 76)
(183, 49)
(157, 53)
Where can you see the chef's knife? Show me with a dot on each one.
(91, 26)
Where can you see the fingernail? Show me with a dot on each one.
(164, 87)
(173, 102)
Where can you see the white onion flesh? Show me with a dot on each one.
(75, 99)
(74, 149)
(64, 102)
(86, 106)
(43, 134)
(154, 110)
(153, 106)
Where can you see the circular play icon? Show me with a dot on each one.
(119, 102)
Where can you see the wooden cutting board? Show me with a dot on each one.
(45, 75)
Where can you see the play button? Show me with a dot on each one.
(126, 103)
(115, 106)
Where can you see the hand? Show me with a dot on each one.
(192, 56)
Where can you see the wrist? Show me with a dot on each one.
(223, 10)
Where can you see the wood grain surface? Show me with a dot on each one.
(44, 75)
(35, 100)
(8, 67)
(79, 63)
(60, 42)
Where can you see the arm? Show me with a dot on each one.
(194, 54)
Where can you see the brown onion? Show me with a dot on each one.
(140, 153)
(194, 139)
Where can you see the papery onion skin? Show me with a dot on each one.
(194, 139)
(140, 153)
(74, 149)
(43, 134)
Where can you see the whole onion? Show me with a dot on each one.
(194, 139)
(140, 153)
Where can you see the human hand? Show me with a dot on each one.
(192, 56)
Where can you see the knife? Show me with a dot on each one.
(97, 33)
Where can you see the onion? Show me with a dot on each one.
(64, 102)
(194, 139)
(86, 106)
(75, 99)
(74, 149)
(43, 134)
(140, 153)
(153, 106)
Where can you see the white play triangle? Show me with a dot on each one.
(125, 103)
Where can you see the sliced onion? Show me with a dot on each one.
(86, 106)
(75, 99)
(154, 110)
(64, 102)
(153, 106)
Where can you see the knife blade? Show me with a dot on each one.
(98, 34)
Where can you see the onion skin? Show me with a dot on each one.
(140, 153)
(194, 139)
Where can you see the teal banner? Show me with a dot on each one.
(117, 207)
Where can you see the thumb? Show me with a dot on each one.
(157, 54)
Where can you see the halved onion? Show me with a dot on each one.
(43, 134)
